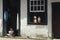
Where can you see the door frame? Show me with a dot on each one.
(3, 28)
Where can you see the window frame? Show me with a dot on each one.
(36, 6)
(37, 13)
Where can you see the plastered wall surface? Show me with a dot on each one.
(1, 17)
(33, 30)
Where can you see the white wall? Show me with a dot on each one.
(0, 9)
(29, 30)
(49, 17)
(1, 17)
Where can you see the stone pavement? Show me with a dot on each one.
(16, 38)
(1, 38)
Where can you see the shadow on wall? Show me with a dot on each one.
(23, 9)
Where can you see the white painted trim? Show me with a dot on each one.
(37, 7)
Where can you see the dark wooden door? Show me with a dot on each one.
(56, 20)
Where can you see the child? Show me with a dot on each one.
(10, 33)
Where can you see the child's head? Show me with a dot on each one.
(11, 29)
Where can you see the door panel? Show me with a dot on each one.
(56, 20)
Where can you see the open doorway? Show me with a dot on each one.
(11, 12)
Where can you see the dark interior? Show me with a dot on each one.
(13, 7)
(42, 15)
(56, 20)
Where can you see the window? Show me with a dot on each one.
(37, 12)
(37, 5)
